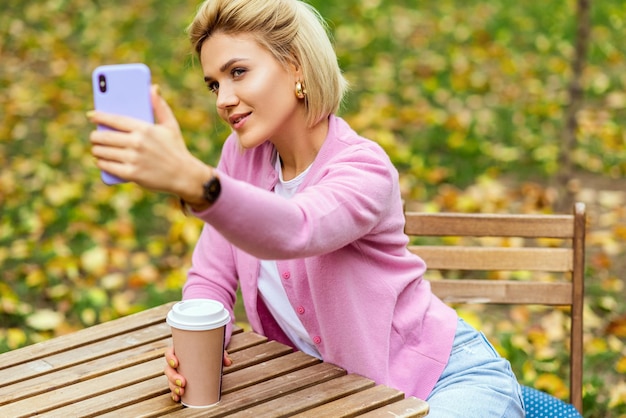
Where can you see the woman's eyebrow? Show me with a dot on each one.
(226, 65)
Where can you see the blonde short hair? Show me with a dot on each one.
(292, 31)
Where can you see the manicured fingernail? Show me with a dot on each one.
(90, 114)
(177, 391)
(157, 89)
(172, 363)
(178, 382)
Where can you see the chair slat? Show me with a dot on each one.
(502, 291)
(483, 225)
(495, 258)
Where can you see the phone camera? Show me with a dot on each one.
(102, 83)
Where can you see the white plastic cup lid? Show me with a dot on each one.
(198, 315)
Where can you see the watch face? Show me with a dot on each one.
(212, 189)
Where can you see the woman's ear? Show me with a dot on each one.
(296, 69)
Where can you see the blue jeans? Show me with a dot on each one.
(477, 382)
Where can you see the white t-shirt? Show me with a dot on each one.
(271, 288)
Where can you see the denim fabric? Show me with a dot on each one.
(476, 382)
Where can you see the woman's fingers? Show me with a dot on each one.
(174, 379)
(227, 359)
(163, 114)
(115, 122)
(176, 382)
(109, 138)
(172, 360)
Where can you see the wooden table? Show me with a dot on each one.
(116, 369)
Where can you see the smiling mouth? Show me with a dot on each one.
(237, 120)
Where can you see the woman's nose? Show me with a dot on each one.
(226, 98)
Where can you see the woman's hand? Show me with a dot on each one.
(151, 155)
(175, 380)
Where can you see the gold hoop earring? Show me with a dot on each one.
(300, 90)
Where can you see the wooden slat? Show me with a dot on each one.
(155, 407)
(266, 370)
(88, 351)
(265, 391)
(113, 400)
(356, 404)
(61, 397)
(89, 335)
(256, 354)
(502, 291)
(314, 396)
(66, 377)
(407, 408)
(494, 258)
(497, 225)
(244, 340)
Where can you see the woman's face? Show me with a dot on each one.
(255, 93)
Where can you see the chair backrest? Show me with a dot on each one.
(536, 251)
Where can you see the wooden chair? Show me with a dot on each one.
(567, 260)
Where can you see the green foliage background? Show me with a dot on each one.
(462, 94)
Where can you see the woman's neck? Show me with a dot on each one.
(300, 151)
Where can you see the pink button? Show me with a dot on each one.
(317, 340)
(300, 310)
(286, 275)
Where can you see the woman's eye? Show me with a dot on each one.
(238, 72)
(213, 87)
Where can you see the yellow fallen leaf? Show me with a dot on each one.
(94, 260)
(113, 281)
(45, 320)
(617, 395)
(15, 338)
(176, 279)
(58, 292)
(553, 384)
(36, 278)
(611, 199)
(554, 325)
(97, 297)
(122, 303)
(88, 316)
(620, 231)
(595, 346)
(190, 232)
(60, 193)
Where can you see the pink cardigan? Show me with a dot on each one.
(341, 252)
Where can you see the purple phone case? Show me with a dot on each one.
(127, 93)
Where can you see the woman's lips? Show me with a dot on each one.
(238, 120)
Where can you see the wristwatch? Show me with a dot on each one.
(212, 189)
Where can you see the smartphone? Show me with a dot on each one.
(122, 89)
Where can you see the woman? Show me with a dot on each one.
(305, 215)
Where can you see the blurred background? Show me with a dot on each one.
(469, 98)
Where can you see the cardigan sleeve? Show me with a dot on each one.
(343, 198)
(213, 272)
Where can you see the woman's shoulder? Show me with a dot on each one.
(342, 138)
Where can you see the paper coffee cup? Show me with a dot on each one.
(198, 330)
